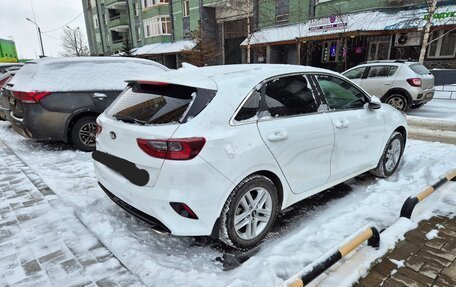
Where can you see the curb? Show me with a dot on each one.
(411, 202)
(325, 262)
(322, 264)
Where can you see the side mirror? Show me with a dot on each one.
(375, 103)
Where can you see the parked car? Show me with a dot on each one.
(5, 67)
(4, 105)
(401, 84)
(221, 150)
(58, 99)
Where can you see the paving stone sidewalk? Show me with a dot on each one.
(42, 243)
(419, 260)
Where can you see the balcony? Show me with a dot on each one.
(116, 4)
(118, 24)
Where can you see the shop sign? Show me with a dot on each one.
(332, 22)
(443, 15)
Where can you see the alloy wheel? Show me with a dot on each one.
(393, 154)
(87, 134)
(397, 102)
(253, 213)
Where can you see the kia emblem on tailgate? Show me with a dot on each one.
(112, 135)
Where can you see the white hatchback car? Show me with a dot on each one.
(398, 83)
(221, 150)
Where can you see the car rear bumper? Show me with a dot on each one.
(40, 124)
(423, 96)
(158, 226)
(194, 183)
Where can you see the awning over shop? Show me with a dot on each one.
(164, 48)
(377, 20)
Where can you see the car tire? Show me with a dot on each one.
(398, 101)
(83, 133)
(417, 106)
(254, 222)
(391, 156)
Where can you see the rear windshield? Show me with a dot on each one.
(158, 104)
(420, 69)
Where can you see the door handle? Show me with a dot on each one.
(277, 136)
(387, 84)
(341, 124)
(99, 96)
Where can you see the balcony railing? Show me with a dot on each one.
(110, 2)
(118, 21)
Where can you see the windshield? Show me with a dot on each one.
(155, 104)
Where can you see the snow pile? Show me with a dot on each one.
(301, 235)
(164, 48)
(82, 73)
(434, 233)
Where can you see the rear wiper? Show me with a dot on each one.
(129, 119)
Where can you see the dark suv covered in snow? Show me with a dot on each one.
(59, 99)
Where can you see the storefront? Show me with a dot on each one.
(341, 42)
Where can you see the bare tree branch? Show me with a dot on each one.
(73, 43)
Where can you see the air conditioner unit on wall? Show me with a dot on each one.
(407, 39)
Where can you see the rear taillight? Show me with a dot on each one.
(175, 149)
(30, 97)
(414, 82)
(99, 129)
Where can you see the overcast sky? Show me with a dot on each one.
(50, 15)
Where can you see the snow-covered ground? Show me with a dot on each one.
(301, 234)
(436, 109)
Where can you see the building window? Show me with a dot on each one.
(150, 3)
(155, 26)
(282, 11)
(138, 34)
(95, 21)
(379, 48)
(185, 8)
(330, 51)
(442, 44)
(136, 9)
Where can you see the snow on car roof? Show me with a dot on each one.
(81, 73)
(10, 64)
(213, 76)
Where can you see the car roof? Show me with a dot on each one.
(213, 76)
(81, 73)
(109, 59)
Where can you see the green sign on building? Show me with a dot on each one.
(8, 51)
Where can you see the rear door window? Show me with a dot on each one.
(420, 69)
(289, 96)
(379, 71)
(155, 104)
(392, 70)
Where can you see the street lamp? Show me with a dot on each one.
(39, 33)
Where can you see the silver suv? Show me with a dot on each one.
(401, 84)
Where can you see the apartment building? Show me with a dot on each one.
(335, 34)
